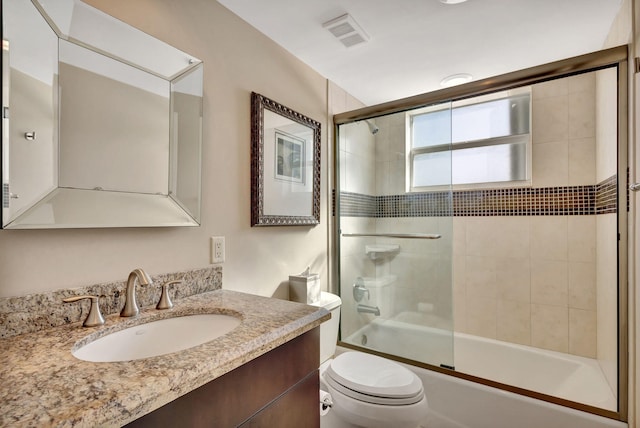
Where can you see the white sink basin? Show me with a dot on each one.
(157, 338)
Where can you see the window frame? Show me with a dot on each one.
(412, 152)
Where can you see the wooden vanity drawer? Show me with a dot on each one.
(237, 396)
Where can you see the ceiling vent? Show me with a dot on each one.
(347, 30)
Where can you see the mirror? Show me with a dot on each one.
(102, 123)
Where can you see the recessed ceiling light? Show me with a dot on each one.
(456, 79)
(452, 1)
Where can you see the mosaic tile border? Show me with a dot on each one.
(35, 312)
(607, 196)
(547, 201)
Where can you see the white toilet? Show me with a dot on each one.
(366, 390)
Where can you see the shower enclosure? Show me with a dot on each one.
(480, 232)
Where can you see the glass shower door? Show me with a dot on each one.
(395, 241)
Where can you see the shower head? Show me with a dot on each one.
(372, 126)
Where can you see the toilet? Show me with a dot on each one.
(366, 390)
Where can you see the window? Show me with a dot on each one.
(483, 140)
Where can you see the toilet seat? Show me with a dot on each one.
(373, 379)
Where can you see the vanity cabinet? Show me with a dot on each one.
(278, 389)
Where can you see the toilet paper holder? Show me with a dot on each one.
(326, 402)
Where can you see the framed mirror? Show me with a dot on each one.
(102, 123)
(285, 165)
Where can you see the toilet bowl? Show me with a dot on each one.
(366, 390)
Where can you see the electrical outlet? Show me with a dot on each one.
(217, 249)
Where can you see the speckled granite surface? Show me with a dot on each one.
(42, 384)
(34, 312)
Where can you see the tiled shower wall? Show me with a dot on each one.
(534, 266)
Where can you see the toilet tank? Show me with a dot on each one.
(329, 328)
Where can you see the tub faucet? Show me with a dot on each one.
(131, 308)
(366, 309)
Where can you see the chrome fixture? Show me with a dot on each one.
(395, 235)
(366, 309)
(131, 308)
(94, 318)
(634, 187)
(372, 126)
(30, 136)
(165, 300)
(359, 290)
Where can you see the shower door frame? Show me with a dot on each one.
(614, 57)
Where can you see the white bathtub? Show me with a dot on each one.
(457, 403)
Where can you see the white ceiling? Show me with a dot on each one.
(414, 44)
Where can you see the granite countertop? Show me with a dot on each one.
(44, 385)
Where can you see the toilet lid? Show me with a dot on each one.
(374, 379)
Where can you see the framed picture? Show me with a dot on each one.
(285, 165)
(289, 158)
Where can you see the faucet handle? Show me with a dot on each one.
(94, 318)
(165, 300)
(360, 291)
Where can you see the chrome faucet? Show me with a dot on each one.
(366, 309)
(131, 308)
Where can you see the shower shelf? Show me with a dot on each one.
(395, 235)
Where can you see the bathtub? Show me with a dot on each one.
(458, 403)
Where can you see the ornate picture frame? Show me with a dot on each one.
(285, 165)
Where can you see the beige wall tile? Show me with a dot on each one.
(513, 279)
(459, 309)
(582, 333)
(343, 174)
(360, 174)
(481, 276)
(459, 272)
(550, 164)
(459, 235)
(550, 117)
(382, 178)
(397, 178)
(607, 124)
(582, 83)
(481, 235)
(550, 327)
(514, 322)
(582, 285)
(552, 88)
(582, 161)
(549, 237)
(512, 237)
(582, 115)
(581, 238)
(606, 300)
(549, 282)
(481, 316)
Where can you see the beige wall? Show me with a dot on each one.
(104, 137)
(32, 174)
(237, 60)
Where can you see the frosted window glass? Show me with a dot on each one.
(432, 169)
(431, 129)
(490, 164)
(475, 143)
(474, 165)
